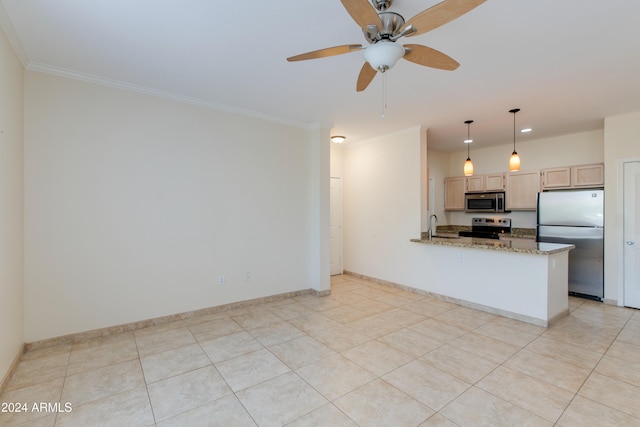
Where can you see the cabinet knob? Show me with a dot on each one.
(630, 242)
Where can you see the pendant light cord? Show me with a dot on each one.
(514, 111)
(468, 138)
(514, 131)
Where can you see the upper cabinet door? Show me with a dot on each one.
(588, 175)
(522, 191)
(494, 182)
(454, 189)
(556, 178)
(475, 183)
(488, 182)
(573, 177)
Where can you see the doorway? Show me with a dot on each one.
(631, 227)
(335, 225)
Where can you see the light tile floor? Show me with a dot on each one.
(368, 355)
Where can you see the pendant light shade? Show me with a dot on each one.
(514, 160)
(468, 165)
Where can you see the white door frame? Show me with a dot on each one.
(619, 231)
(623, 235)
(336, 216)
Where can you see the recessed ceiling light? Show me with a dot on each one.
(525, 130)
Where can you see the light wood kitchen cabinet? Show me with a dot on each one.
(475, 183)
(454, 189)
(587, 175)
(488, 182)
(494, 182)
(556, 178)
(522, 190)
(573, 177)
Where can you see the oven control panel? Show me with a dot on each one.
(491, 222)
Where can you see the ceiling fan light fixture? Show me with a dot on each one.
(383, 55)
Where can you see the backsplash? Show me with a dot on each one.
(529, 233)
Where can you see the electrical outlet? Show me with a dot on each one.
(220, 280)
(247, 277)
(461, 256)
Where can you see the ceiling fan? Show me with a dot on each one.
(382, 29)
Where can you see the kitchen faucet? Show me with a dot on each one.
(431, 227)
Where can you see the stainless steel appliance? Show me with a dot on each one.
(576, 217)
(484, 202)
(488, 228)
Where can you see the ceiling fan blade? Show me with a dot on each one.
(428, 57)
(329, 51)
(440, 14)
(367, 73)
(362, 12)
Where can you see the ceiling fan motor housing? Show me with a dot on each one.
(392, 23)
(381, 5)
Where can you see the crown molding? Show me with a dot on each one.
(10, 32)
(89, 78)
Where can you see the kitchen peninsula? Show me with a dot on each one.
(517, 278)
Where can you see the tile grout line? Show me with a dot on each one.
(144, 378)
(593, 370)
(64, 381)
(233, 392)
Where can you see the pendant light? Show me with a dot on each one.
(468, 165)
(514, 160)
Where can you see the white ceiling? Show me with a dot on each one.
(567, 64)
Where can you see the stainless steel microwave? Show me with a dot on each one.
(484, 202)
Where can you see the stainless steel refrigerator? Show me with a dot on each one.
(576, 217)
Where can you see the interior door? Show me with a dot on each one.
(335, 225)
(632, 234)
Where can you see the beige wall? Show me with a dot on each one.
(337, 162)
(621, 143)
(11, 205)
(382, 203)
(134, 205)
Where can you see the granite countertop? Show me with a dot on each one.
(525, 246)
(523, 233)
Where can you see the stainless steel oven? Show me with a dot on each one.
(484, 202)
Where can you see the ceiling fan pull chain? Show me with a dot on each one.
(384, 94)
